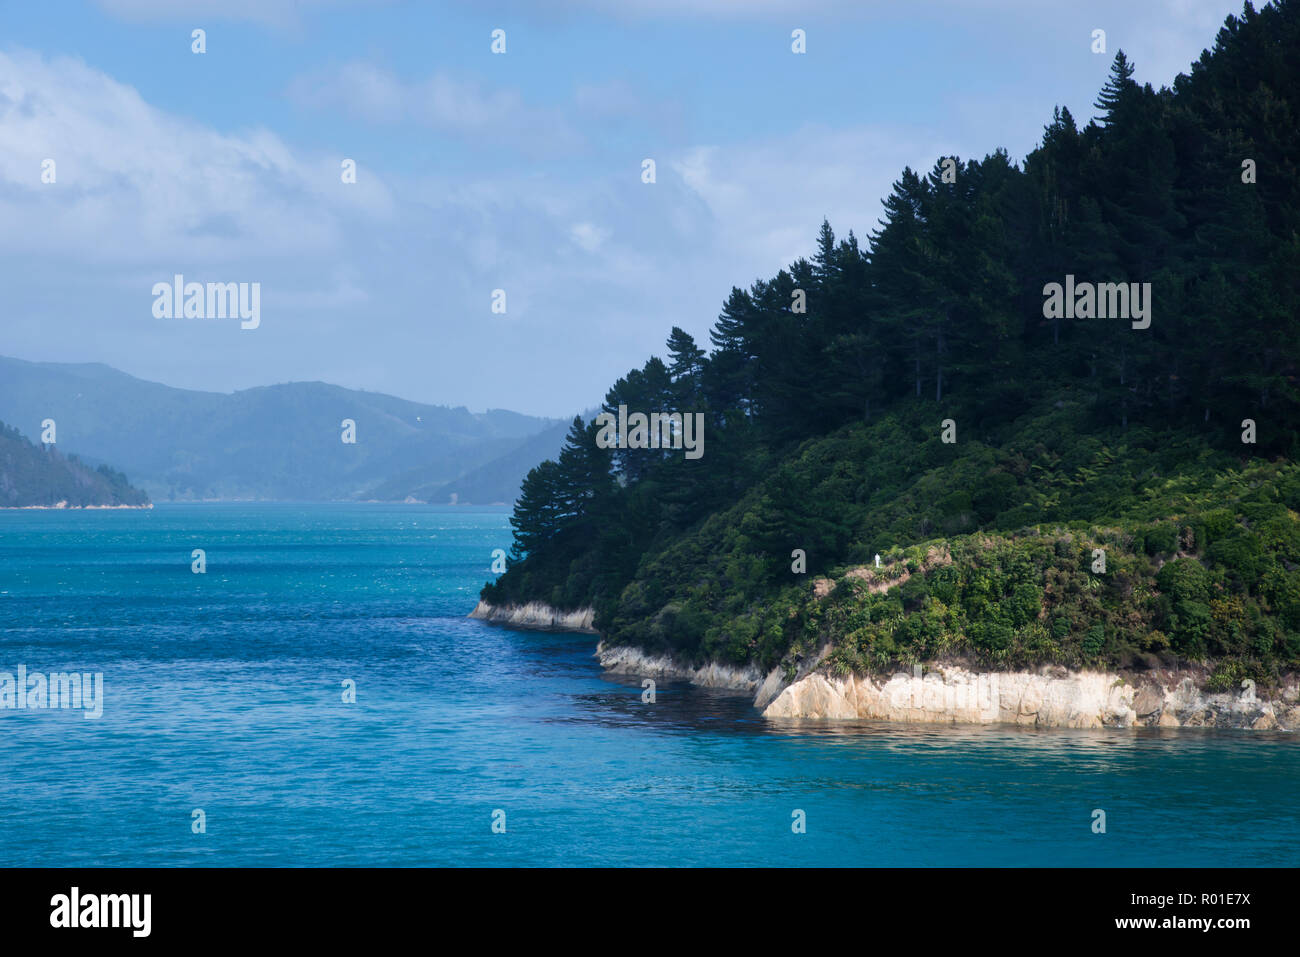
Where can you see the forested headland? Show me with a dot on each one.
(34, 476)
(1039, 488)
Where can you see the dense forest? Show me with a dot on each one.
(910, 395)
(32, 475)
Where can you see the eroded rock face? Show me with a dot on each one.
(1048, 698)
(770, 687)
(1148, 701)
(537, 615)
(624, 660)
(1051, 697)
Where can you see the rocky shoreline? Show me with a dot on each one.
(60, 506)
(622, 660)
(1050, 697)
(949, 692)
(536, 615)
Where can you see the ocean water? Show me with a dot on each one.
(223, 693)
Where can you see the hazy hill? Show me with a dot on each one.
(276, 442)
(36, 475)
(493, 482)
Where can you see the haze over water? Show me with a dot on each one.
(223, 692)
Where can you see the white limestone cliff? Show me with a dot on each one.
(1051, 697)
(623, 660)
(537, 615)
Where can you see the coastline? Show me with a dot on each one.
(1050, 696)
(64, 506)
(624, 660)
(536, 616)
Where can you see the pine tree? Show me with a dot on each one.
(898, 271)
(1118, 90)
(583, 478)
(536, 516)
(825, 261)
(730, 381)
(686, 366)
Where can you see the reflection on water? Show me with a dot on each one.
(690, 709)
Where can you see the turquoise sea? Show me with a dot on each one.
(223, 692)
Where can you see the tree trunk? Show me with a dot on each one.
(938, 364)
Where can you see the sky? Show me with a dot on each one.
(479, 171)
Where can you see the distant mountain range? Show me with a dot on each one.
(280, 442)
(494, 481)
(39, 476)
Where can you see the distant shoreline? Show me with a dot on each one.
(169, 503)
(65, 507)
(247, 501)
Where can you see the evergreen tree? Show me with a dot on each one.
(1119, 90)
(686, 367)
(537, 513)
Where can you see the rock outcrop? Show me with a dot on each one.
(1051, 697)
(623, 660)
(536, 615)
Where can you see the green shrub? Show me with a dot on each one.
(1094, 641)
(1161, 539)
(1184, 579)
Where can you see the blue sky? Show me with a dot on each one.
(479, 171)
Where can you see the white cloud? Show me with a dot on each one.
(135, 183)
(687, 9)
(267, 12)
(1163, 38)
(456, 106)
(766, 200)
(589, 236)
(597, 266)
